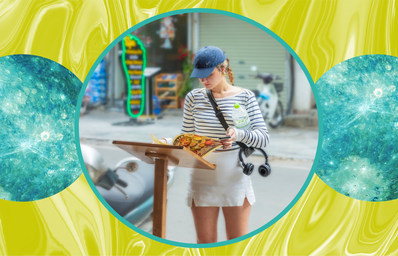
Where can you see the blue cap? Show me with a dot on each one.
(206, 59)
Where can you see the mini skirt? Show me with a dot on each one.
(227, 185)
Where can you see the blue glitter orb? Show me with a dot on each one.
(359, 101)
(38, 156)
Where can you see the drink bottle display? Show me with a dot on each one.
(241, 117)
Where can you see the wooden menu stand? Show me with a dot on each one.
(162, 156)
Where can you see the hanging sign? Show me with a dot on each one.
(134, 63)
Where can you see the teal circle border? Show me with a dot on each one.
(190, 245)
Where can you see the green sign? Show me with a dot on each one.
(134, 63)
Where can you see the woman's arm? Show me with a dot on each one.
(188, 122)
(258, 137)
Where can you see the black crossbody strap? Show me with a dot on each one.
(220, 117)
(217, 109)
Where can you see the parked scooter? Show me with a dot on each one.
(128, 188)
(268, 98)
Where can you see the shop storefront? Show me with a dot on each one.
(163, 40)
(244, 44)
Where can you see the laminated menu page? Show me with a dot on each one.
(200, 145)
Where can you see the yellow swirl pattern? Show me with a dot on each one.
(75, 33)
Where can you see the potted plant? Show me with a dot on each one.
(186, 57)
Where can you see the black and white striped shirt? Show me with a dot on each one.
(199, 117)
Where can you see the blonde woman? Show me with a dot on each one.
(227, 187)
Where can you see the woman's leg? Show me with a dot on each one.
(205, 219)
(237, 219)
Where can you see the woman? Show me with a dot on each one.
(226, 187)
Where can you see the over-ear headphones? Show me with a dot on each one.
(264, 169)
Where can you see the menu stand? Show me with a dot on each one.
(162, 156)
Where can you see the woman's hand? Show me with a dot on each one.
(228, 142)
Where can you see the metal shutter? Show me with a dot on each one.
(245, 45)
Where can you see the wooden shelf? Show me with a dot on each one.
(167, 97)
(159, 91)
(166, 89)
(164, 80)
(169, 106)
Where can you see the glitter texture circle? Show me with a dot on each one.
(359, 99)
(37, 153)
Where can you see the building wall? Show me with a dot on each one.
(245, 45)
(303, 98)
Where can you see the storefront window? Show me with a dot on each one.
(162, 39)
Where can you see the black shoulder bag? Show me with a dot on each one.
(264, 169)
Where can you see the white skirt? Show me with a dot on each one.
(225, 186)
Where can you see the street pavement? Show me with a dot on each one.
(285, 142)
(291, 152)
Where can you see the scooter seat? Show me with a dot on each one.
(264, 96)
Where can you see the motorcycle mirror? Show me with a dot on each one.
(132, 167)
(253, 68)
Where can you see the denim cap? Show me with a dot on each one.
(206, 59)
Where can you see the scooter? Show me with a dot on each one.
(128, 188)
(268, 98)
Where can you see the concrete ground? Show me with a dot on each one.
(291, 152)
(285, 142)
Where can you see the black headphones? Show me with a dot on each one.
(264, 169)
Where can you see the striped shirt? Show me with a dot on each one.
(199, 117)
